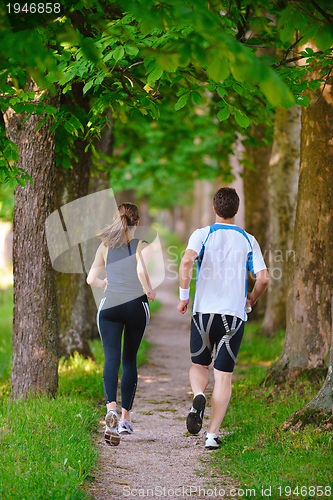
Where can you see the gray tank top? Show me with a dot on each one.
(121, 272)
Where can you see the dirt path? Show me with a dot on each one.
(160, 460)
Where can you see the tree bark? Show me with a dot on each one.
(72, 289)
(319, 411)
(309, 300)
(282, 191)
(35, 320)
(256, 199)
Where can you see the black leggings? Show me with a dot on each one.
(133, 318)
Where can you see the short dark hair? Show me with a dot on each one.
(226, 202)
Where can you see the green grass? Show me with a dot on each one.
(46, 446)
(256, 450)
(47, 450)
(6, 319)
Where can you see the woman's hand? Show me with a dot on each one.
(105, 281)
(151, 295)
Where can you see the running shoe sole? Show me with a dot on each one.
(111, 435)
(194, 419)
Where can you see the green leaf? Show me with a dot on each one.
(154, 111)
(324, 37)
(237, 88)
(218, 70)
(315, 84)
(131, 50)
(182, 101)
(223, 114)
(76, 123)
(20, 181)
(90, 50)
(241, 119)
(108, 56)
(66, 162)
(118, 53)
(155, 74)
(69, 127)
(88, 85)
(303, 100)
(196, 97)
(275, 89)
(287, 33)
(3, 79)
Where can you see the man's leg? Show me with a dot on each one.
(220, 399)
(198, 381)
(198, 378)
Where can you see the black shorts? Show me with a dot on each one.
(221, 331)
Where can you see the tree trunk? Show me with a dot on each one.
(282, 190)
(309, 300)
(35, 320)
(237, 170)
(319, 411)
(72, 289)
(256, 199)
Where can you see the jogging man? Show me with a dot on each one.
(224, 254)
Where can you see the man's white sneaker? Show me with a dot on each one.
(194, 418)
(212, 441)
(125, 426)
(111, 428)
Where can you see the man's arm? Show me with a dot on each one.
(185, 276)
(262, 279)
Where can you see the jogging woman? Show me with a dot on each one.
(123, 309)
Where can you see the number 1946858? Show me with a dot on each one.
(32, 8)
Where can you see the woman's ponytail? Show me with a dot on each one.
(115, 235)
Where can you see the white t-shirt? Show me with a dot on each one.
(225, 254)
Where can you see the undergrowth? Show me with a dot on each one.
(256, 451)
(47, 445)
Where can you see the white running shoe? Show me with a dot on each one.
(212, 441)
(125, 426)
(111, 428)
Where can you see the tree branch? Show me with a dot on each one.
(322, 12)
(305, 10)
(121, 76)
(292, 46)
(286, 61)
(135, 64)
(322, 91)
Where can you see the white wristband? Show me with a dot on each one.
(184, 293)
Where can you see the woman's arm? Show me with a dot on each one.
(96, 267)
(145, 253)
